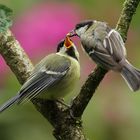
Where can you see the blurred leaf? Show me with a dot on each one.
(5, 18)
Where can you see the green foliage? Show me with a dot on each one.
(5, 18)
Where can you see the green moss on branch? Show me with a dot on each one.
(66, 128)
(125, 19)
(15, 57)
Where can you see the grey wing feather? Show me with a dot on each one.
(38, 84)
(110, 51)
(48, 72)
(43, 78)
(9, 103)
(101, 56)
(114, 44)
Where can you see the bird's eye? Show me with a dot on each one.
(60, 45)
(78, 26)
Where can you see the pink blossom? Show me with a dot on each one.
(40, 28)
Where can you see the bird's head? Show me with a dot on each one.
(67, 47)
(81, 28)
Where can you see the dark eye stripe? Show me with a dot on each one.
(60, 45)
(84, 23)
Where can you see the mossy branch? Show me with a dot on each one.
(125, 19)
(66, 127)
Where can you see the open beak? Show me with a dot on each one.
(68, 43)
(72, 33)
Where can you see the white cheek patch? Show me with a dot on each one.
(81, 30)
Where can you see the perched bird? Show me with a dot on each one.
(106, 47)
(53, 77)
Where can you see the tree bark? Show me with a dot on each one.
(66, 121)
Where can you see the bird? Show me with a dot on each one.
(52, 78)
(106, 48)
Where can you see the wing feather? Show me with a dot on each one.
(44, 77)
(114, 44)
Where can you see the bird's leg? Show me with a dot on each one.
(77, 119)
(61, 101)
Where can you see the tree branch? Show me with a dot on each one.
(88, 89)
(15, 57)
(94, 79)
(125, 19)
(66, 127)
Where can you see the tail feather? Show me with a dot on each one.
(131, 76)
(9, 103)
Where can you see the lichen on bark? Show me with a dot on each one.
(66, 121)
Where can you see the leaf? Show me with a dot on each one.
(5, 18)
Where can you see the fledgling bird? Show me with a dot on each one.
(106, 47)
(53, 77)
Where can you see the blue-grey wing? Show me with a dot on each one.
(109, 51)
(43, 78)
(113, 42)
(100, 55)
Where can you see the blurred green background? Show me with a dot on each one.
(113, 113)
